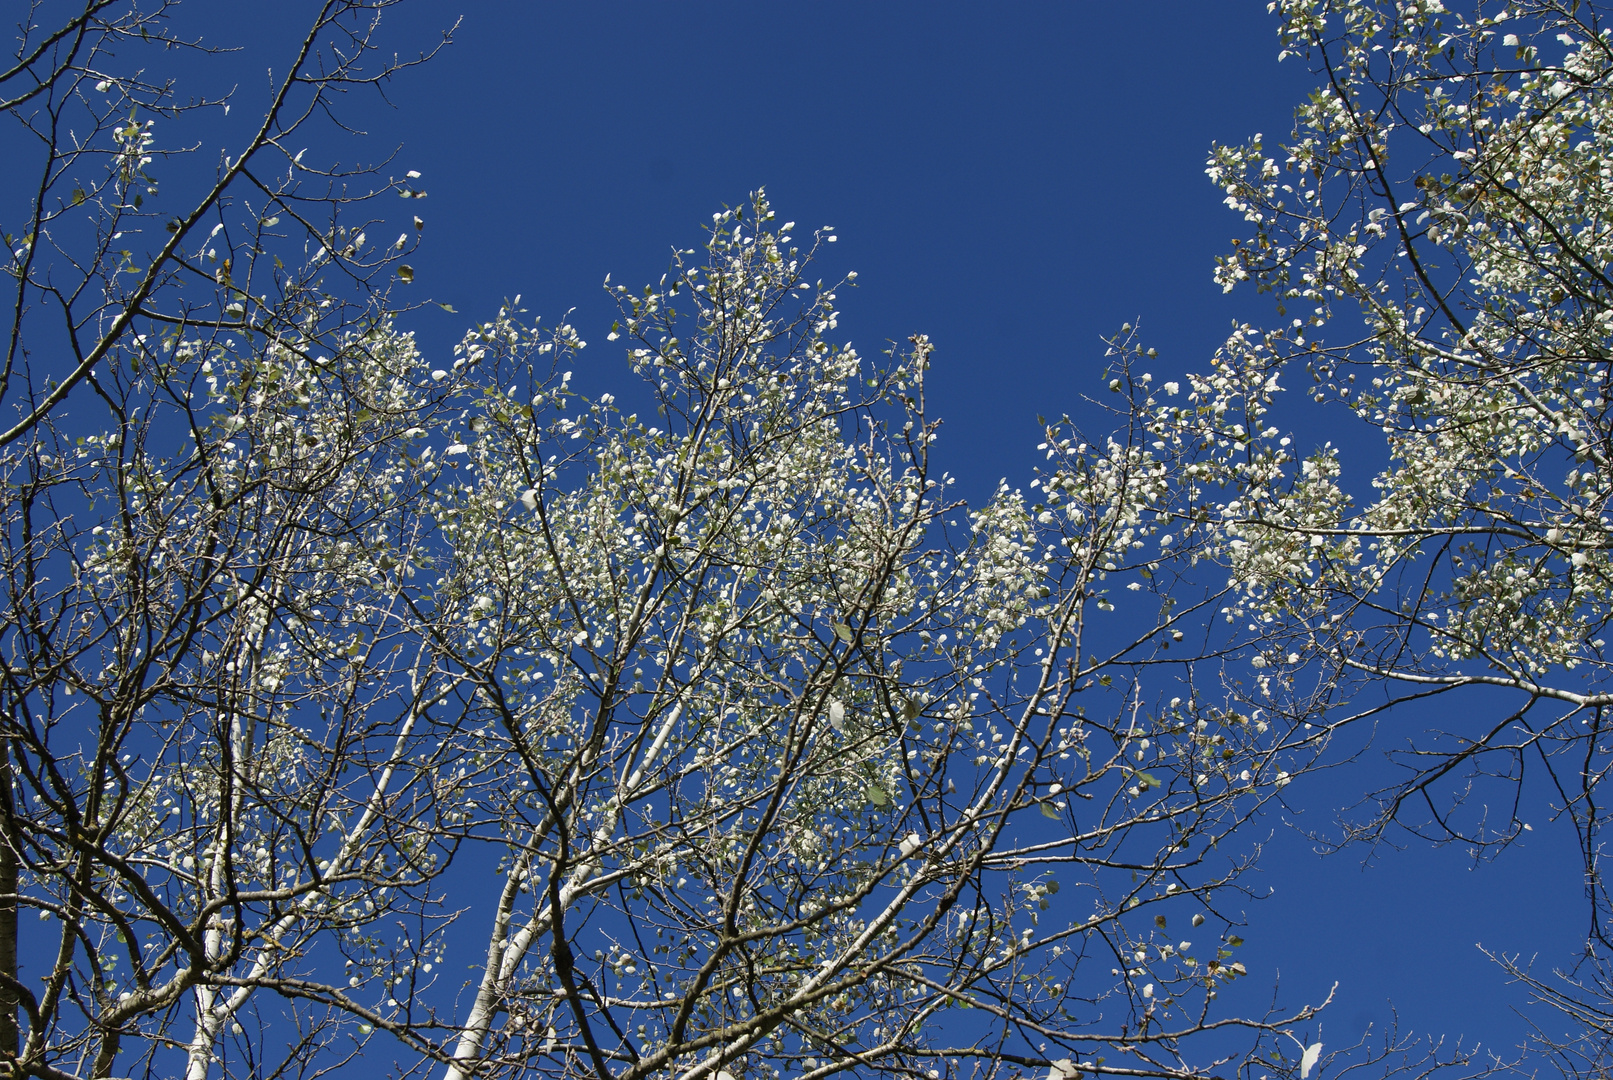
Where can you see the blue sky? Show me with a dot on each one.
(1015, 181)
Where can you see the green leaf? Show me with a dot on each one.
(406, 272)
(877, 795)
(842, 631)
(911, 709)
(78, 196)
(1234, 940)
(1049, 810)
(1147, 780)
(448, 308)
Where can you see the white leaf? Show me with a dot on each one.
(1308, 1060)
(837, 716)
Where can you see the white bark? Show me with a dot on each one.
(214, 1010)
(504, 957)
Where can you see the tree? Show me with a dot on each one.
(785, 768)
(157, 555)
(1436, 228)
(798, 772)
(784, 759)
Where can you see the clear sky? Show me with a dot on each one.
(1015, 181)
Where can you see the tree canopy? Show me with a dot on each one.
(698, 719)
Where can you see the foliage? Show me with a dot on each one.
(779, 759)
(797, 769)
(779, 755)
(1435, 232)
(1477, 556)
